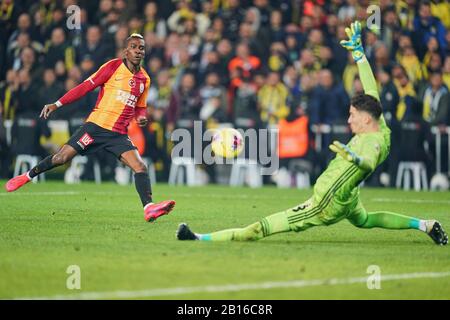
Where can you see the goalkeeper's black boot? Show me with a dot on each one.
(184, 233)
(436, 232)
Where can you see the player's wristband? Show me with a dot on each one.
(58, 104)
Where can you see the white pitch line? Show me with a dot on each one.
(410, 200)
(235, 287)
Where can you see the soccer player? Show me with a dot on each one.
(336, 192)
(123, 94)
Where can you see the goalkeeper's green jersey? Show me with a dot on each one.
(342, 178)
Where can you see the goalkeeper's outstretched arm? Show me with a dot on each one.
(354, 45)
(367, 78)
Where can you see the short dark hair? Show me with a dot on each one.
(367, 103)
(133, 36)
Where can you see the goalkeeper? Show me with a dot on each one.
(336, 192)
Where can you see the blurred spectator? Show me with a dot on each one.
(127, 9)
(272, 100)
(185, 104)
(276, 31)
(371, 43)
(27, 102)
(245, 105)
(24, 25)
(406, 92)
(214, 101)
(153, 22)
(318, 47)
(50, 90)
(120, 36)
(94, 48)
(15, 50)
(347, 13)
(307, 90)
(253, 19)
(277, 59)
(247, 35)
(436, 100)
(426, 26)
(59, 50)
(153, 45)
(406, 10)
(29, 62)
(408, 59)
(243, 64)
(389, 97)
(45, 9)
(292, 82)
(104, 8)
(331, 101)
(9, 95)
(414, 131)
(232, 17)
(308, 63)
(391, 29)
(292, 48)
(184, 18)
(382, 59)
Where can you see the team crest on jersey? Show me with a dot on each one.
(141, 87)
(132, 83)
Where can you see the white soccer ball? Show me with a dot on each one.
(227, 143)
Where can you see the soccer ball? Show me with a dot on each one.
(227, 143)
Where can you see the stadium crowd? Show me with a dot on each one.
(249, 63)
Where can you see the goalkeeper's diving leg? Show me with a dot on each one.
(390, 220)
(299, 218)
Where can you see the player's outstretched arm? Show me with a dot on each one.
(354, 45)
(97, 79)
(365, 163)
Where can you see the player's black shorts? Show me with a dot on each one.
(90, 138)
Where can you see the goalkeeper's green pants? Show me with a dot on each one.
(309, 214)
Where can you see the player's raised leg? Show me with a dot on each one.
(65, 154)
(152, 211)
(390, 220)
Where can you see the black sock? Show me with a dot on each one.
(143, 187)
(42, 166)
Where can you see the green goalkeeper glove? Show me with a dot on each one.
(345, 152)
(354, 43)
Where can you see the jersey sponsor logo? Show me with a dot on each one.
(132, 83)
(126, 98)
(85, 140)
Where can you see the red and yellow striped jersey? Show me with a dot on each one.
(122, 95)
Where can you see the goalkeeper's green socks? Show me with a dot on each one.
(390, 220)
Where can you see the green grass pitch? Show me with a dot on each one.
(44, 228)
